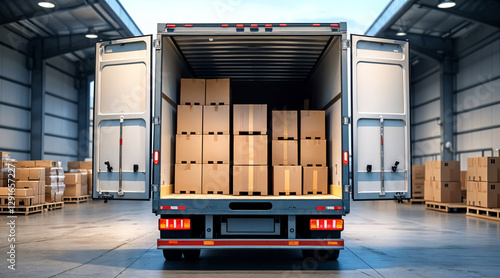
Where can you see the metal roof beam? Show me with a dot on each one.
(432, 47)
(37, 14)
(55, 46)
(470, 15)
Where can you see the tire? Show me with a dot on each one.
(321, 255)
(172, 255)
(192, 254)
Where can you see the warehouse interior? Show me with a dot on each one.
(47, 69)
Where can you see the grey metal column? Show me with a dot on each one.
(83, 118)
(447, 105)
(37, 102)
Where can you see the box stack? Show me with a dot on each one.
(32, 180)
(250, 170)
(313, 152)
(6, 163)
(417, 181)
(76, 184)
(442, 181)
(216, 137)
(189, 140)
(84, 167)
(54, 184)
(483, 185)
(287, 173)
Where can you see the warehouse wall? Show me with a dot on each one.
(15, 95)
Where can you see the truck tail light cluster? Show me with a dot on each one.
(173, 207)
(175, 224)
(156, 157)
(329, 208)
(326, 225)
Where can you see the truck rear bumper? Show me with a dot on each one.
(337, 244)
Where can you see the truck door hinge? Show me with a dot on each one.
(156, 120)
(346, 44)
(346, 120)
(157, 44)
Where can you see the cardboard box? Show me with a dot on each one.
(428, 170)
(73, 178)
(188, 148)
(5, 191)
(285, 125)
(25, 174)
(59, 196)
(4, 155)
(217, 91)
(189, 119)
(463, 180)
(35, 185)
(79, 165)
(313, 152)
(418, 172)
(250, 118)
(417, 188)
(447, 191)
(250, 180)
(285, 152)
(188, 178)
(287, 180)
(84, 182)
(216, 119)
(250, 150)
(192, 91)
(312, 124)
(26, 164)
(73, 190)
(488, 169)
(488, 194)
(216, 149)
(315, 180)
(46, 163)
(428, 191)
(24, 192)
(50, 197)
(89, 182)
(446, 171)
(472, 168)
(215, 179)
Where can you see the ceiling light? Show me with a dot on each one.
(46, 4)
(91, 34)
(401, 32)
(445, 4)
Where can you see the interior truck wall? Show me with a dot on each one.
(61, 111)
(15, 95)
(173, 69)
(477, 94)
(325, 88)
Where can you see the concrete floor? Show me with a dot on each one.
(383, 239)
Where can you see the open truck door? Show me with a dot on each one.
(122, 119)
(381, 158)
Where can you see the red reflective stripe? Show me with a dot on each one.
(337, 208)
(316, 25)
(346, 158)
(249, 243)
(225, 25)
(188, 25)
(334, 25)
(156, 157)
(121, 141)
(381, 140)
(181, 207)
(254, 25)
(320, 208)
(239, 25)
(269, 25)
(282, 25)
(170, 26)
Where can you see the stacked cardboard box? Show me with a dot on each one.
(189, 138)
(250, 170)
(83, 167)
(313, 152)
(34, 179)
(442, 181)
(76, 184)
(287, 173)
(417, 181)
(54, 178)
(483, 185)
(6, 164)
(463, 185)
(216, 137)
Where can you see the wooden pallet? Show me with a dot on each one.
(486, 213)
(76, 200)
(53, 206)
(417, 200)
(21, 209)
(249, 193)
(446, 207)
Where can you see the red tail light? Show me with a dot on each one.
(316, 25)
(224, 25)
(170, 26)
(156, 157)
(282, 25)
(269, 25)
(326, 225)
(239, 25)
(175, 224)
(346, 158)
(254, 25)
(188, 25)
(334, 25)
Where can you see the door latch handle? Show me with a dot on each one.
(110, 169)
(369, 168)
(395, 167)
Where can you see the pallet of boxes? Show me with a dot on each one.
(442, 186)
(78, 182)
(483, 187)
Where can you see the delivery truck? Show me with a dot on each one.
(362, 84)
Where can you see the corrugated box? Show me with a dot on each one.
(315, 180)
(73, 190)
(188, 178)
(285, 125)
(215, 179)
(417, 188)
(447, 192)
(73, 178)
(24, 192)
(250, 149)
(463, 180)
(249, 180)
(218, 91)
(428, 190)
(46, 163)
(216, 119)
(35, 185)
(312, 124)
(249, 118)
(472, 168)
(30, 174)
(188, 148)
(189, 119)
(79, 165)
(192, 91)
(488, 169)
(287, 180)
(428, 170)
(313, 152)
(285, 152)
(418, 172)
(26, 164)
(446, 171)
(488, 194)
(216, 149)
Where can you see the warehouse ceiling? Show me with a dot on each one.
(64, 27)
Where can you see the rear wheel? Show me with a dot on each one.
(192, 254)
(172, 255)
(321, 255)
